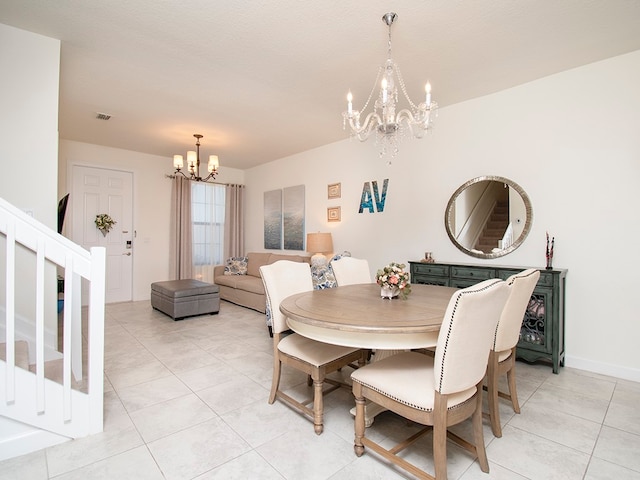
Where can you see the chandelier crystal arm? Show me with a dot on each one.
(390, 122)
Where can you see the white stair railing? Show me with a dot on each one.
(30, 397)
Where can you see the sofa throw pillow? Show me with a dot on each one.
(236, 266)
(323, 277)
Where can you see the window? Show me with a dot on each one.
(207, 216)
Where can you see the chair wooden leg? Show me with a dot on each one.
(492, 394)
(317, 403)
(358, 446)
(275, 379)
(511, 379)
(478, 434)
(440, 435)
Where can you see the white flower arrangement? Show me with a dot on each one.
(104, 223)
(395, 277)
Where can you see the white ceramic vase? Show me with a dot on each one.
(389, 292)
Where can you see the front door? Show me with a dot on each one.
(96, 191)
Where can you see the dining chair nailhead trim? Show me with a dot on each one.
(453, 315)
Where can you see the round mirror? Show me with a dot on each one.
(488, 217)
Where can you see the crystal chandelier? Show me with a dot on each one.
(193, 164)
(390, 124)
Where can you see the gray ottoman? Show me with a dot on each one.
(185, 298)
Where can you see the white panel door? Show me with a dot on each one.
(96, 191)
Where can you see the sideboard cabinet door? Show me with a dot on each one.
(542, 331)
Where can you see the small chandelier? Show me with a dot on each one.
(193, 164)
(390, 126)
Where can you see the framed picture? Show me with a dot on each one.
(333, 214)
(333, 191)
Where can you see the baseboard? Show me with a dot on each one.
(617, 371)
(17, 438)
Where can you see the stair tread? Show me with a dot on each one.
(21, 353)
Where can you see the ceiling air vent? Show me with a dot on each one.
(103, 116)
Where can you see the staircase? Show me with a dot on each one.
(495, 228)
(48, 393)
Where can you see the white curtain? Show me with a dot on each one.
(180, 256)
(234, 221)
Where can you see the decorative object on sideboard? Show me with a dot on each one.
(549, 252)
(193, 164)
(428, 258)
(488, 217)
(333, 214)
(334, 190)
(104, 223)
(319, 244)
(393, 281)
(388, 120)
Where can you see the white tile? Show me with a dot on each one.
(135, 464)
(560, 427)
(208, 376)
(619, 447)
(196, 450)
(303, 454)
(603, 470)
(30, 466)
(81, 452)
(536, 457)
(261, 422)
(162, 419)
(153, 392)
(234, 394)
(247, 466)
(584, 405)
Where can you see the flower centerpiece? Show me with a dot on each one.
(393, 281)
(104, 223)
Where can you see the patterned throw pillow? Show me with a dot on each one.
(236, 266)
(323, 276)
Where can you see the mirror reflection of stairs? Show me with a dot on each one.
(495, 227)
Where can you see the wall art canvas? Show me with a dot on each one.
(293, 217)
(273, 219)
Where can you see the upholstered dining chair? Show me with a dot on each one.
(502, 357)
(438, 391)
(350, 271)
(282, 279)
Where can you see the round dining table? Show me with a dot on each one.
(357, 316)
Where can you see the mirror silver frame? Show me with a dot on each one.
(448, 217)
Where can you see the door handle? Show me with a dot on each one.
(128, 254)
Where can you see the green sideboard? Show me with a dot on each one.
(542, 332)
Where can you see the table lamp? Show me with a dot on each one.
(318, 244)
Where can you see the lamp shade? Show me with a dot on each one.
(319, 243)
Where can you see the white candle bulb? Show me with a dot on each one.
(427, 88)
(191, 158)
(384, 90)
(213, 163)
(349, 105)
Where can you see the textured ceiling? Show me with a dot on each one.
(262, 80)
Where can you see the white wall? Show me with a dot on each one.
(29, 121)
(151, 202)
(570, 140)
(29, 77)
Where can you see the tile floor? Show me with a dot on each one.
(188, 400)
